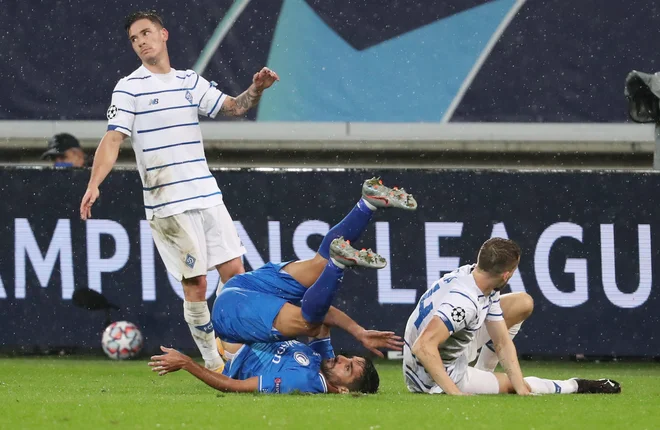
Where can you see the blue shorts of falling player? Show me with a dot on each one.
(248, 304)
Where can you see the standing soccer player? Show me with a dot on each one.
(158, 107)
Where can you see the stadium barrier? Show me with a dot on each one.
(589, 242)
(341, 144)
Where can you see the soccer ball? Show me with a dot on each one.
(121, 340)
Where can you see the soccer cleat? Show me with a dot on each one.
(382, 196)
(600, 386)
(342, 251)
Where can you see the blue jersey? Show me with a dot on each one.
(282, 367)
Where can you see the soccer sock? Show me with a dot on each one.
(198, 317)
(547, 386)
(318, 298)
(487, 358)
(351, 227)
(219, 289)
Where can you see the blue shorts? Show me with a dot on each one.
(248, 304)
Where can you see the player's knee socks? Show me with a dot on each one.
(198, 317)
(318, 298)
(487, 358)
(351, 227)
(218, 290)
(547, 386)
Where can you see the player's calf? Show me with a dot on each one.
(382, 196)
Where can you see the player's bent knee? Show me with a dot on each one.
(517, 306)
(230, 268)
(526, 305)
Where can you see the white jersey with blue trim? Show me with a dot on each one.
(462, 307)
(160, 112)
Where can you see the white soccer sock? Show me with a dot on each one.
(219, 289)
(487, 358)
(198, 317)
(369, 205)
(547, 386)
(338, 264)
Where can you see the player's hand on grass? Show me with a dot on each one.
(374, 340)
(264, 78)
(169, 362)
(88, 200)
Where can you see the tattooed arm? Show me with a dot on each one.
(238, 106)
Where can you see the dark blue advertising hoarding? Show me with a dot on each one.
(589, 245)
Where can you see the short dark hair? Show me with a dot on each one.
(151, 15)
(369, 381)
(498, 255)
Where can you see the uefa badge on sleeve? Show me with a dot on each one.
(112, 111)
(458, 315)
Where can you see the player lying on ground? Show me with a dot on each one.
(257, 313)
(449, 317)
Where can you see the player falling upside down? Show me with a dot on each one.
(257, 313)
(458, 314)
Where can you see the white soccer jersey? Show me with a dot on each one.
(161, 114)
(462, 307)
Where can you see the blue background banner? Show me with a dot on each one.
(346, 60)
(589, 241)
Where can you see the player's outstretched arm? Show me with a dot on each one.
(238, 106)
(506, 353)
(173, 361)
(426, 351)
(104, 159)
(373, 340)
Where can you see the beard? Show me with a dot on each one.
(501, 287)
(327, 365)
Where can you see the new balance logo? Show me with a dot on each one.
(153, 102)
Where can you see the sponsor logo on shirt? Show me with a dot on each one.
(153, 102)
(278, 383)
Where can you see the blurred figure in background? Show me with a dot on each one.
(65, 151)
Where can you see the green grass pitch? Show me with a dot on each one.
(46, 393)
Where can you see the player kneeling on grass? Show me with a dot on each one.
(447, 327)
(258, 313)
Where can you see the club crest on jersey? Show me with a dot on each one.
(112, 111)
(458, 315)
(189, 97)
(301, 358)
(190, 261)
